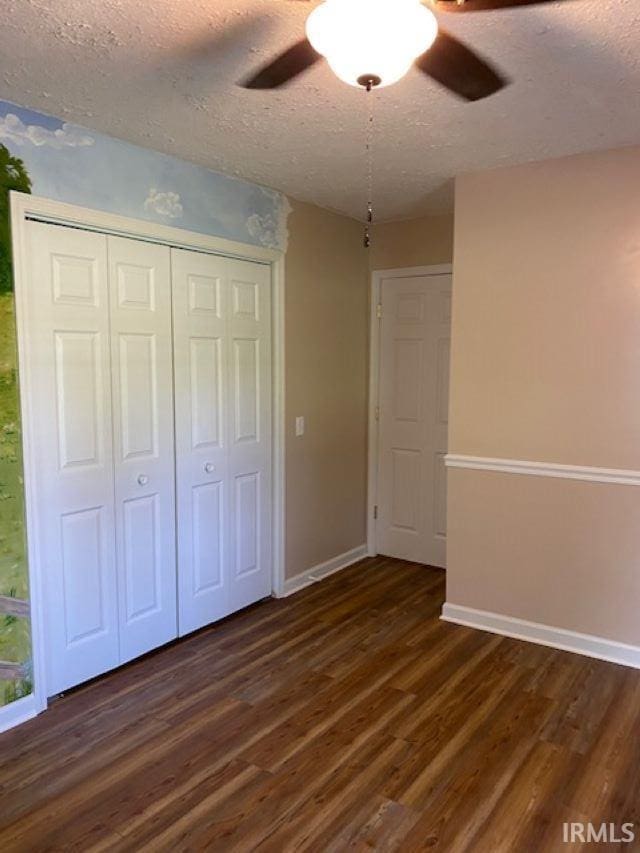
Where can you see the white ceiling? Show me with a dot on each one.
(145, 71)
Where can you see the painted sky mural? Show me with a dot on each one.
(72, 164)
(68, 163)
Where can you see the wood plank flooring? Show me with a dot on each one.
(348, 717)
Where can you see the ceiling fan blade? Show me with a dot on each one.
(284, 68)
(459, 69)
(485, 5)
(214, 44)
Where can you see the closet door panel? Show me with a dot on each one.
(67, 340)
(139, 428)
(208, 537)
(200, 368)
(249, 428)
(140, 279)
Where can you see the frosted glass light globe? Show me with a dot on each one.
(380, 38)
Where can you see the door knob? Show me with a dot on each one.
(209, 467)
(143, 479)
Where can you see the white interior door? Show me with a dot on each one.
(142, 379)
(413, 417)
(222, 364)
(67, 305)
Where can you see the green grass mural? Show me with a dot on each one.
(15, 644)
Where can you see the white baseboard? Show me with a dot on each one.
(18, 712)
(544, 635)
(323, 570)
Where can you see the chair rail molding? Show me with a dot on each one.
(620, 476)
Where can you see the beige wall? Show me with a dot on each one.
(412, 243)
(560, 552)
(327, 329)
(546, 367)
(326, 317)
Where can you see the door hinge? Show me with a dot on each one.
(379, 311)
(375, 512)
(377, 413)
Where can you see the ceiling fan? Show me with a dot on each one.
(373, 43)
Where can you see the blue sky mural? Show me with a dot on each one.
(72, 164)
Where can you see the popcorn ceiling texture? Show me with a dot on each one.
(158, 73)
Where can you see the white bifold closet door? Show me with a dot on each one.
(98, 323)
(142, 373)
(70, 401)
(222, 365)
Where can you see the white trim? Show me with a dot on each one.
(543, 635)
(60, 213)
(322, 571)
(36, 583)
(372, 423)
(377, 277)
(620, 476)
(18, 712)
(279, 434)
(412, 272)
(25, 207)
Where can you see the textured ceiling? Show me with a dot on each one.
(146, 71)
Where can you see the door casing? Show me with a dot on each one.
(26, 207)
(374, 375)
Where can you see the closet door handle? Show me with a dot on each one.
(209, 467)
(143, 479)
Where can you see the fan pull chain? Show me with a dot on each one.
(369, 145)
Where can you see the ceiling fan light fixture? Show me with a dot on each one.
(363, 39)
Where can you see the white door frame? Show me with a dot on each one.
(26, 207)
(374, 382)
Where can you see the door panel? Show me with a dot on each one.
(79, 395)
(138, 403)
(249, 341)
(222, 368)
(245, 389)
(200, 369)
(142, 568)
(407, 392)
(405, 489)
(413, 405)
(205, 365)
(247, 515)
(83, 575)
(67, 322)
(144, 453)
(208, 537)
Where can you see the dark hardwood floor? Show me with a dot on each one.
(347, 717)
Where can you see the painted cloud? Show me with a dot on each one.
(270, 229)
(13, 129)
(263, 229)
(164, 203)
